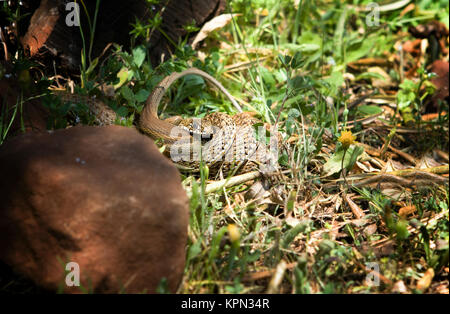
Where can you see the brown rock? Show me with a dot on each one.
(31, 113)
(441, 69)
(103, 197)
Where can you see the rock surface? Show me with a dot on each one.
(441, 81)
(32, 113)
(103, 197)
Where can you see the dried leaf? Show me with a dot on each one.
(393, 6)
(370, 229)
(425, 281)
(215, 24)
(277, 277)
(355, 208)
(407, 210)
(399, 287)
(384, 80)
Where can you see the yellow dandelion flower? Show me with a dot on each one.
(234, 233)
(265, 12)
(346, 139)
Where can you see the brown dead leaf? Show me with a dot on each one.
(432, 116)
(370, 229)
(293, 139)
(412, 46)
(441, 288)
(410, 7)
(277, 277)
(399, 287)
(407, 210)
(359, 222)
(385, 249)
(406, 156)
(369, 62)
(427, 161)
(216, 23)
(441, 154)
(378, 82)
(355, 208)
(425, 281)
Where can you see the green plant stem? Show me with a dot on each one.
(342, 167)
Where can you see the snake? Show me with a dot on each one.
(225, 141)
(218, 140)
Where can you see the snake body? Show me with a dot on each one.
(232, 139)
(219, 140)
(149, 122)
